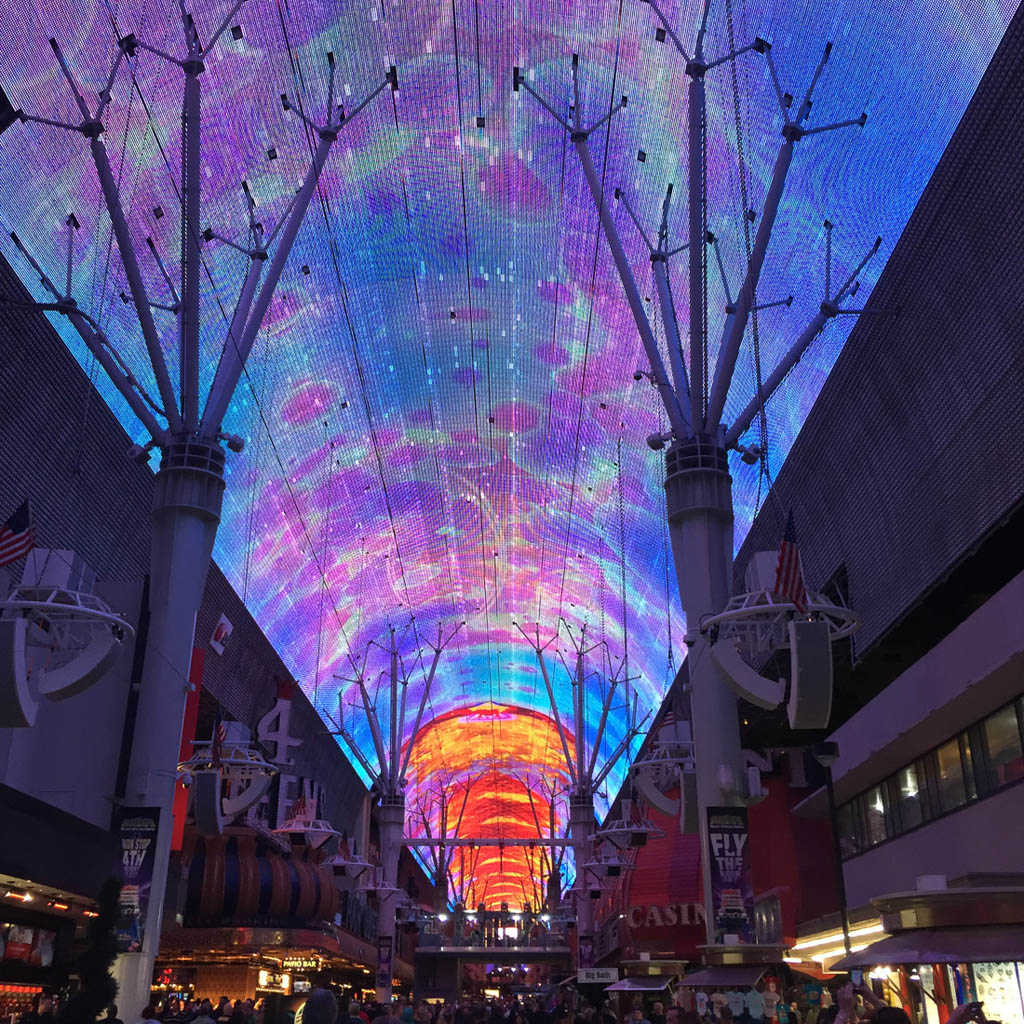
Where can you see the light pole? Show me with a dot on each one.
(698, 485)
(826, 754)
(584, 767)
(387, 765)
(189, 483)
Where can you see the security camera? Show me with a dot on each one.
(233, 441)
(689, 639)
(139, 453)
(751, 454)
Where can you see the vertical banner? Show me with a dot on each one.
(384, 961)
(586, 952)
(136, 828)
(732, 887)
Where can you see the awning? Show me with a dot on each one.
(731, 975)
(648, 984)
(990, 944)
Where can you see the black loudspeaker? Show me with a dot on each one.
(206, 802)
(810, 689)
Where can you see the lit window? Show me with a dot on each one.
(911, 812)
(950, 780)
(874, 814)
(1002, 742)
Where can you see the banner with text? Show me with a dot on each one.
(384, 961)
(136, 828)
(732, 887)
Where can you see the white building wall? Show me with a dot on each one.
(974, 670)
(986, 837)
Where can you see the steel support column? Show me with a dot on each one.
(392, 822)
(698, 491)
(186, 512)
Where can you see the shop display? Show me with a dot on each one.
(998, 987)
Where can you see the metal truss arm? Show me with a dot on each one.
(98, 344)
(442, 643)
(829, 309)
(618, 752)
(673, 404)
(732, 336)
(234, 356)
(353, 746)
(378, 739)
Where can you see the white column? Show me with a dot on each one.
(186, 512)
(699, 496)
(392, 821)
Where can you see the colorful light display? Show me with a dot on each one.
(441, 414)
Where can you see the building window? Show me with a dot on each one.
(952, 792)
(850, 840)
(967, 757)
(982, 759)
(1005, 757)
(874, 815)
(911, 798)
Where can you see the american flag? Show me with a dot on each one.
(17, 535)
(789, 575)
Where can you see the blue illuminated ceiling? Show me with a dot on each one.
(440, 412)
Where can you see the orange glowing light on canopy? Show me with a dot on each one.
(506, 764)
(469, 739)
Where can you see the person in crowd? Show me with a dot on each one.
(205, 1015)
(148, 1014)
(41, 1012)
(657, 1014)
(319, 1008)
(112, 1017)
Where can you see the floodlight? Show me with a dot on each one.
(233, 441)
(236, 32)
(128, 43)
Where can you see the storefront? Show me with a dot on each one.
(37, 936)
(948, 947)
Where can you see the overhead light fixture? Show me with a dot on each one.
(23, 897)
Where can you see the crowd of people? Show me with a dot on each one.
(845, 1004)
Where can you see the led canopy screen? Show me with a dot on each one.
(440, 412)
